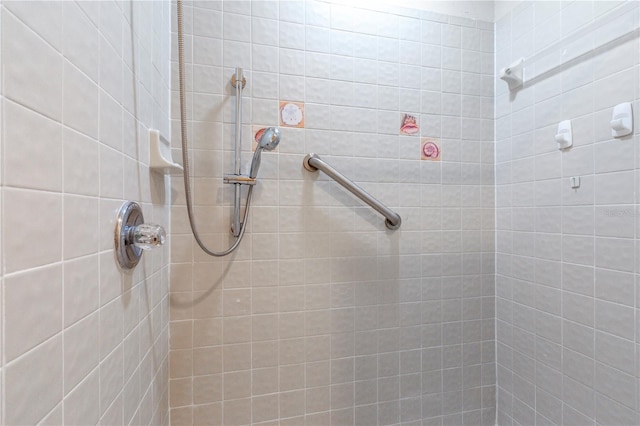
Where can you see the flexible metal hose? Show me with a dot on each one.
(185, 159)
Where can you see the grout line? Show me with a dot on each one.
(2, 224)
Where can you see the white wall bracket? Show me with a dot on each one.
(513, 74)
(575, 182)
(622, 120)
(160, 154)
(564, 137)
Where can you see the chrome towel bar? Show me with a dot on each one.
(312, 162)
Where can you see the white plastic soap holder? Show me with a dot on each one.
(513, 74)
(160, 159)
(622, 120)
(564, 137)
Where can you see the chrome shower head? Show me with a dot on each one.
(269, 141)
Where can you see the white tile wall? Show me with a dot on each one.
(82, 343)
(567, 265)
(323, 316)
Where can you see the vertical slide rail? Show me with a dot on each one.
(238, 82)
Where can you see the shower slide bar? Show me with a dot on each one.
(239, 82)
(312, 162)
(617, 25)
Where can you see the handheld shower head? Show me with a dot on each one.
(269, 141)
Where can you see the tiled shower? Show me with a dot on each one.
(507, 296)
(323, 315)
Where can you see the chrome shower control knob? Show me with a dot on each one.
(147, 236)
(132, 235)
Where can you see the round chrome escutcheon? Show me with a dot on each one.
(129, 216)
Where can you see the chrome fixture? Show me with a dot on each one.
(238, 225)
(269, 141)
(313, 162)
(234, 79)
(132, 235)
(237, 147)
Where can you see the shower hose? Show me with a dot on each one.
(185, 159)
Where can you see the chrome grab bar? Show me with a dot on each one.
(312, 162)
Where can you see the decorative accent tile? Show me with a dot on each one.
(291, 114)
(430, 149)
(409, 125)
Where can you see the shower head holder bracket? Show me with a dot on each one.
(239, 179)
(234, 81)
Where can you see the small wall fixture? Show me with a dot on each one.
(622, 120)
(513, 74)
(575, 182)
(132, 235)
(564, 137)
(160, 154)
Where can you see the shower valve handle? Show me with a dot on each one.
(146, 236)
(132, 236)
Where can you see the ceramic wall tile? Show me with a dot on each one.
(309, 321)
(595, 222)
(69, 102)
